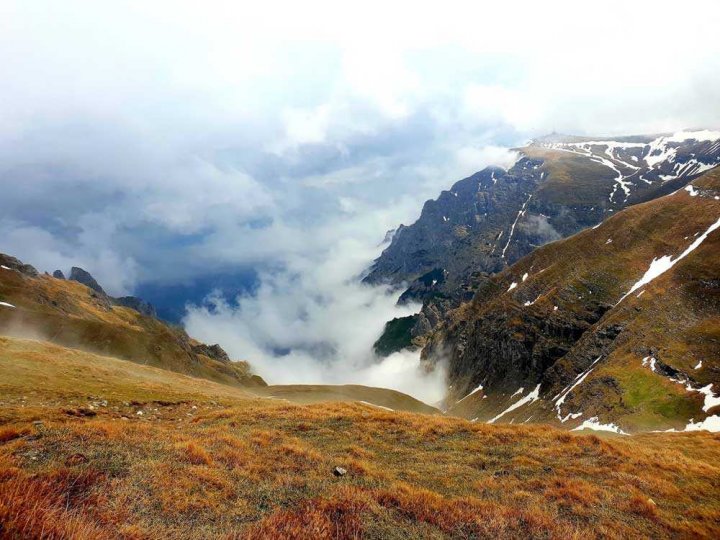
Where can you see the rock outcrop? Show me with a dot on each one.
(84, 277)
(138, 304)
(12, 263)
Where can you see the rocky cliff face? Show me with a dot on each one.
(617, 326)
(559, 186)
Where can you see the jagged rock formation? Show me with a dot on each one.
(8, 262)
(216, 352)
(58, 274)
(559, 186)
(618, 325)
(84, 277)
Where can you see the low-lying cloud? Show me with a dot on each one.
(313, 321)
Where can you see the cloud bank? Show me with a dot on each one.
(156, 143)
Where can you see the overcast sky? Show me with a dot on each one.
(161, 141)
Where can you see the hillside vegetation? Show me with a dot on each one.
(74, 315)
(93, 448)
(562, 320)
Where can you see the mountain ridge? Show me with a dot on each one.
(492, 218)
(619, 323)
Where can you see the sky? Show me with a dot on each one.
(160, 143)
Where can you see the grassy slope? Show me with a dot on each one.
(206, 460)
(315, 393)
(71, 314)
(572, 179)
(677, 318)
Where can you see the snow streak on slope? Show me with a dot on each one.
(665, 263)
(512, 228)
(560, 398)
(532, 396)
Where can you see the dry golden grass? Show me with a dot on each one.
(207, 461)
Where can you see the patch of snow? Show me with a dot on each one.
(595, 425)
(641, 293)
(570, 416)
(5, 267)
(711, 423)
(512, 228)
(711, 400)
(6, 304)
(609, 241)
(663, 264)
(445, 218)
(525, 276)
(374, 405)
(512, 286)
(555, 308)
(532, 396)
(519, 391)
(560, 398)
(699, 365)
(649, 360)
(479, 387)
(691, 190)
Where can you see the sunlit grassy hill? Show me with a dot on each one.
(71, 314)
(96, 447)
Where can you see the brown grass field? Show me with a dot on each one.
(206, 460)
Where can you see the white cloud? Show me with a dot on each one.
(313, 322)
(115, 273)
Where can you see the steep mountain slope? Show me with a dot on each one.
(75, 315)
(93, 447)
(559, 186)
(619, 323)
